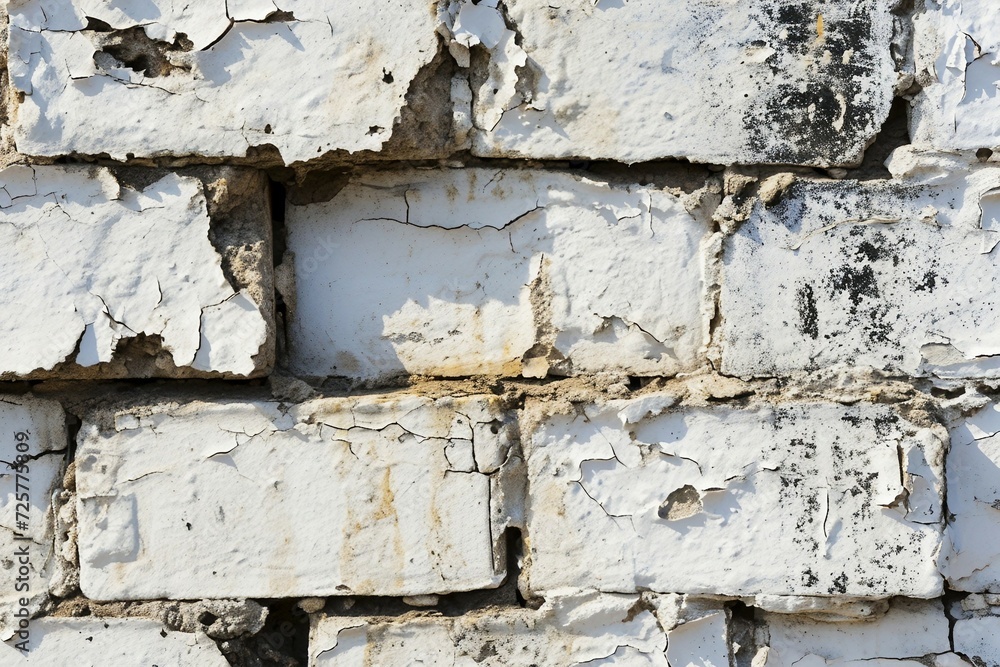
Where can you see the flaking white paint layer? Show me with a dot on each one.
(379, 495)
(111, 642)
(724, 82)
(213, 78)
(26, 515)
(478, 271)
(90, 263)
(909, 631)
(798, 498)
(571, 628)
(894, 275)
(957, 60)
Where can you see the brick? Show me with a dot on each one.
(979, 640)
(573, 628)
(104, 279)
(320, 77)
(239, 498)
(910, 631)
(111, 642)
(504, 272)
(767, 82)
(955, 42)
(893, 275)
(39, 427)
(796, 498)
(973, 545)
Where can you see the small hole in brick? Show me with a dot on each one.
(207, 618)
(984, 154)
(267, 129)
(386, 76)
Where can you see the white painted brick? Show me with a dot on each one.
(257, 499)
(979, 640)
(332, 78)
(895, 275)
(955, 47)
(721, 82)
(111, 642)
(701, 642)
(40, 425)
(92, 263)
(799, 498)
(571, 628)
(911, 629)
(480, 271)
(973, 482)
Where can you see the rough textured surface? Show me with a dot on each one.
(112, 643)
(505, 272)
(970, 562)
(570, 629)
(344, 70)
(500, 332)
(808, 498)
(26, 521)
(108, 280)
(906, 634)
(381, 495)
(955, 57)
(768, 82)
(894, 275)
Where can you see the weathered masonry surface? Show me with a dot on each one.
(500, 333)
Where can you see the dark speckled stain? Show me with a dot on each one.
(792, 123)
(839, 584)
(858, 282)
(805, 303)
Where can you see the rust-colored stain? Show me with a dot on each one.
(819, 26)
(387, 507)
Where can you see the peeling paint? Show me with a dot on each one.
(93, 264)
(359, 496)
(796, 493)
(504, 272)
(572, 628)
(39, 426)
(881, 274)
(216, 93)
(723, 82)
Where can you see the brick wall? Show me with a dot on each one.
(457, 332)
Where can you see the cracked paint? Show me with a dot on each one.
(505, 272)
(722, 82)
(571, 628)
(93, 263)
(41, 424)
(358, 496)
(215, 93)
(882, 274)
(811, 499)
(906, 636)
(957, 61)
(973, 544)
(112, 642)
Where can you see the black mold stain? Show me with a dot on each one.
(831, 113)
(805, 303)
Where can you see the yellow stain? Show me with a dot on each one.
(819, 26)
